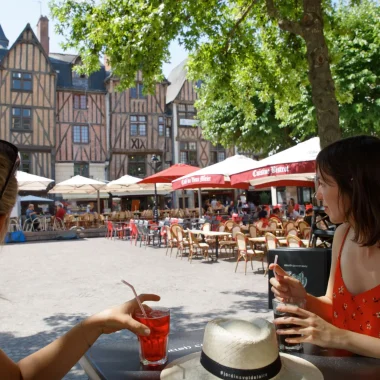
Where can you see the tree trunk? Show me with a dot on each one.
(320, 77)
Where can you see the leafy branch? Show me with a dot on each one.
(284, 24)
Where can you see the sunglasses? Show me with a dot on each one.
(12, 153)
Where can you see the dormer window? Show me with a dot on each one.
(79, 80)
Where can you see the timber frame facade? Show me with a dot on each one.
(27, 103)
(66, 124)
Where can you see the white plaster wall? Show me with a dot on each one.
(291, 192)
(63, 171)
(97, 171)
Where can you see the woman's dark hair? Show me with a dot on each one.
(262, 214)
(354, 164)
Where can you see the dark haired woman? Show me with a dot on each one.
(56, 359)
(348, 316)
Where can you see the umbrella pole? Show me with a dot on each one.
(183, 199)
(98, 202)
(200, 202)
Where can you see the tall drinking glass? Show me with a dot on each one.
(282, 344)
(154, 348)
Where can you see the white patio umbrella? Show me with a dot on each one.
(32, 198)
(31, 182)
(121, 183)
(143, 189)
(292, 167)
(79, 185)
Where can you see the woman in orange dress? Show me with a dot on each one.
(348, 316)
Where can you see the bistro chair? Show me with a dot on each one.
(229, 225)
(182, 243)
(271, 241)
(301, 226)
(171, 241)
(230, 242)
(247, 254)
(293, 241)
(306, 233)
(194, 245)
(292, 231)
(288, 226)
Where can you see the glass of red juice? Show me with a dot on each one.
(154, 348)
(282, 344)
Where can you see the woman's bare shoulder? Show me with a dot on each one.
(338, 238)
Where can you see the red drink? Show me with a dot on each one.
(154, 348)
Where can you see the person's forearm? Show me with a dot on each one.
(358, 343)
(56, 359)
(321, 306)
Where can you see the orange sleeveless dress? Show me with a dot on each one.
(360, 313)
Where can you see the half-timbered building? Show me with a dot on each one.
(139, 129)
(27, 101)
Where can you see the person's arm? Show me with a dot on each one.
(55, 360)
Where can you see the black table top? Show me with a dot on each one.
(119, 360)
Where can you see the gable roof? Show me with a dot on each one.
(176, 79)
(27, 28)
(4, 42)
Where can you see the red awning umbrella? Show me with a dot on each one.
(170, 174)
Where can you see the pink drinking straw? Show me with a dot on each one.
(137, 298)
(275, 263)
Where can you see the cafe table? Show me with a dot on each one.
(215, 234)
(116, 357)
(284, 242)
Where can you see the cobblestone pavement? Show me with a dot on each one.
(46, 288)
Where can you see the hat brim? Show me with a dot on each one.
(190, 368)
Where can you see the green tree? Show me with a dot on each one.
(353, 39)
(265, 41)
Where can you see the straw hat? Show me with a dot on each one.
(240, 350)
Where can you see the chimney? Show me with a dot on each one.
(43, 33)
(107, 64)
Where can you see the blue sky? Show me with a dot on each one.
(15, 14)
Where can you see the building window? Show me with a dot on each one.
(161, 126)
(82, 168)
(168, 132)
(218, 153)
(22, 118)
(80, 134)
(186, 115)
(79, 80)
(137, 166)
(26, 162)
(188, 153)
(137, 92)
(138, 125)
(80, 102)
(21, 81)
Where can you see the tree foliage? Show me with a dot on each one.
(254, 57)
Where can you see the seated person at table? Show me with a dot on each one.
(348, 316)
(292, 213)
(308, 216)
(295, 205)
(231, 208)
(263, 217)
(31, 215)
(57, 358)
(275, 214)
(60, 213)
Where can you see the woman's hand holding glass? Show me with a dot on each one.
(121, 317)
(313, 329)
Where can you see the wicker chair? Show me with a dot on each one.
(194, 245)
(293, 241)
(247, 254)
(230, 242)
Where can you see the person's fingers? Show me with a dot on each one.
(279, 294)
(292, 309)
(276, 268)
(136, 327)
(149, 297)
(291, 321)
